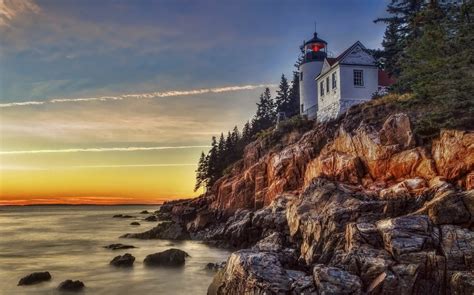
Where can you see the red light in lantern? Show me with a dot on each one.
(316, 47)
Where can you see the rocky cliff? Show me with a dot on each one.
(342, 209)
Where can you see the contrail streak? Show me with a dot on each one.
(139, 95)
(97, 150)
(44, 168)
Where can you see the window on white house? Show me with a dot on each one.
(302, 108)
(327, 84)
(358, 78)
(334, 81)
(321, 88)
(301, 76)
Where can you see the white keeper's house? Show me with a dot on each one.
(329, 86)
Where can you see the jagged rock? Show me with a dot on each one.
(251, 272)
(408, 234)
(170, 257)
(318, 218)
(332, 280)
(125, 260)
(449, 206)
(135, 223)
(457, 245)
(167, 230)
(453, 153)
(70, 285)
(119, 246)
(273, 242)
(35, 278)
(462, 283)
(144, 212)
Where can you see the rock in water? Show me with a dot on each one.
(135, 223)
(119, 246)
(166, 230)
(145, 212)
(122, 216)
(151, 218)
(70, 285)
(125, 260)
(170, 257)
(35, 278)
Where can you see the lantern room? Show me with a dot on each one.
(314, 49)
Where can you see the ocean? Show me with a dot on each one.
(68, 242)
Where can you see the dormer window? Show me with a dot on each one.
(358, 78)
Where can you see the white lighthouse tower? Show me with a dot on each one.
(314, 52)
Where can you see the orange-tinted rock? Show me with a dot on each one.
(453, 153)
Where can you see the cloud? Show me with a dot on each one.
(12, 9)
(98, 150)
(149, 95)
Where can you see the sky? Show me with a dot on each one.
(112, 101)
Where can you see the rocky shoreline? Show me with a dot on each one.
(339, 210)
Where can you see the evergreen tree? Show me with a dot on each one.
(265, 116)
(201, 172)
(282, 99)
(438, 65)
(247, 132)
(212, 163)
(402, 30)
(294, 96)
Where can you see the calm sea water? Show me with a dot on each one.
(68, 242)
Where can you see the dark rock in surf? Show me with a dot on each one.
(122, 216)
(151, 218)
(119, 246)
(125, 260)
(170, 257)
(145, 212)
(135, 223)
(35, 278)
(70, 285)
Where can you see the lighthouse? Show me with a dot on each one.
(314, 52)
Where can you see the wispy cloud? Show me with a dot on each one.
(148, 95)
(105, 149)
(11, 9)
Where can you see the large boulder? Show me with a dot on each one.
(170, 257)
(167, 230)
(319, 216)
(332, 280)
(453, 153)
(35, 278)
(125, 260)
(256, 272)
(462, 283)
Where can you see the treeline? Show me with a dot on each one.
(428, 48)
(228, 149)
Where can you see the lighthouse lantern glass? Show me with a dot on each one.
(315, 47)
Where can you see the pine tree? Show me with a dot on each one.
(282, 99)
(265, 116)
(201, 172)
(212, 163)
(294, 96)
(402, 30)
(247, 132)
